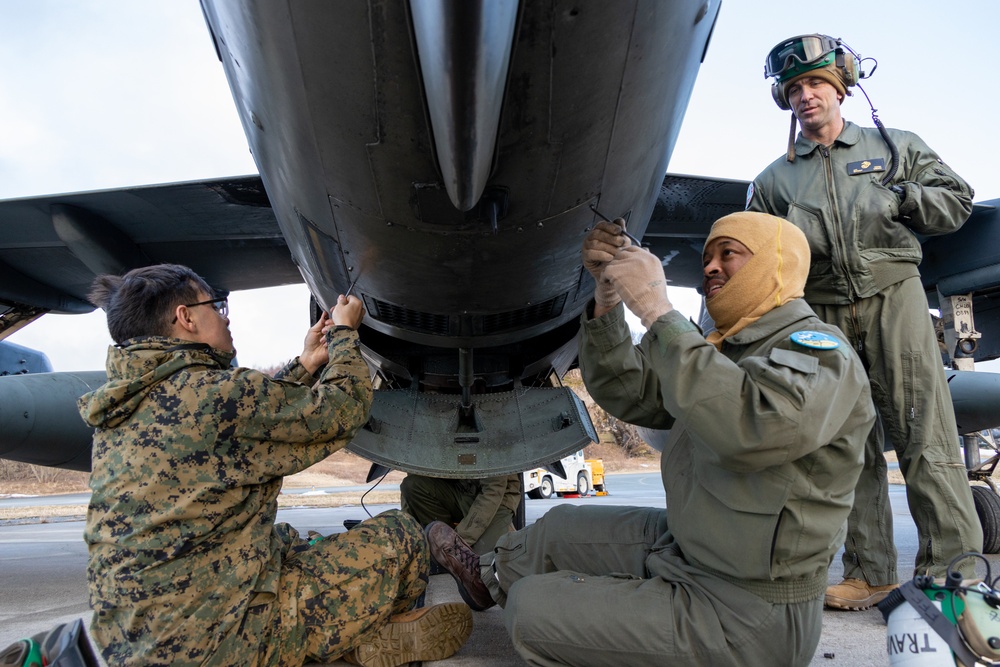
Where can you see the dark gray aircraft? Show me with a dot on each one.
(437, 159)
(442, 160)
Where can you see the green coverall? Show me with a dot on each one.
(765, 449)
(864, 279)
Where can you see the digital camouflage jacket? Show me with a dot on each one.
(188, 459)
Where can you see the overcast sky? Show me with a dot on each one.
(110, 93)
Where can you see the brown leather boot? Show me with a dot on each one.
(856, 594)
(454, 555)
(428, 633)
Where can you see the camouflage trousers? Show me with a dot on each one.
(335, 593)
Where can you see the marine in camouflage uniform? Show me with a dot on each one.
(186, 563)
(481, 510)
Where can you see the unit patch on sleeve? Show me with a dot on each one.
(815, 340)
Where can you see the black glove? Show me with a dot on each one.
(900, 192)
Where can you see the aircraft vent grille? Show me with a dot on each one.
(524, 317)
(435, 324)
(413, 320)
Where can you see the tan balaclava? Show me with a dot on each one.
(775, 274)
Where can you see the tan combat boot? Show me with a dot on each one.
(856, 594)
(428, 633)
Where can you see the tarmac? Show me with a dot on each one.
(43, 582)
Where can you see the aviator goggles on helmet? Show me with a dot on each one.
(800, 54)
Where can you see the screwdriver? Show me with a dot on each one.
(351, 288)
(634, 240)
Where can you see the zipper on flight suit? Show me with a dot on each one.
(856, 325)
(838, 224)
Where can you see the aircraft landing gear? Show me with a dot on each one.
(988, 509)
(984, 494)
(960, 337)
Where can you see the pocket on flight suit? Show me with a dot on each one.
(875, 219)
(791, 373)
(741, 540)
(820, 243)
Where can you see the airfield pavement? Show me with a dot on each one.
(43, 581)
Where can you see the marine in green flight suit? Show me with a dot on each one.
(768, 417)
(864, 234)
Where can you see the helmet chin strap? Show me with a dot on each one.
(790, 156)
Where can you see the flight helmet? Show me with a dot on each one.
(816, 55)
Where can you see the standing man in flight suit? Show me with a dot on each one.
(768, 418)
(862, 206)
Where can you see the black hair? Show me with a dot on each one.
(142, 302)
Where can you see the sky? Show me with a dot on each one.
(110, 93)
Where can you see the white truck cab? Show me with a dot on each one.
(542, 483)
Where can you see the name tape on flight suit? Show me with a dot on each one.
(865, 166)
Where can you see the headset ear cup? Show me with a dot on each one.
(777, 93)
(850, 70)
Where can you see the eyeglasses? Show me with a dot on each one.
(221, 306)
(806, 49)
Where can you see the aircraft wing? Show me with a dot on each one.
(967, 262)
(685, 209)
(51, 247)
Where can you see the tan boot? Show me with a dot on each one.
(855, 594)
(428, 633)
